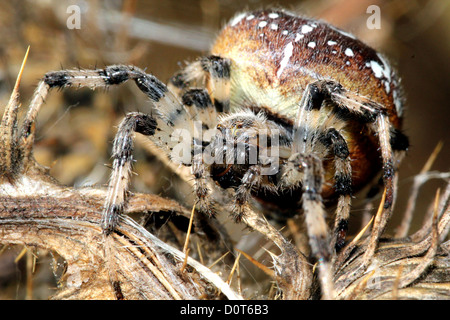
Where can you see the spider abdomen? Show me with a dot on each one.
(274, 55)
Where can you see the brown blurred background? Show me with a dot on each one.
(76, 127)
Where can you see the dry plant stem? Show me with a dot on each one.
(362, 285)
(366, 215)
(8, 134)
(379, 225)
(233, 269)
(191, 219)
(30, 267)
(142, 266)
(262, 267)
(396, 283)
(419, 180)
(444, 224)
(293, 272)
(424, 263)
(443, 215)
(346, 252)
(428, 258)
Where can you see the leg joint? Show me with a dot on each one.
(399, 141)
(151, 86)
(343, 184)
(115, 74)
(198, 97)
(217, 66)
(335, 139)
(57, 79)
(316, 97)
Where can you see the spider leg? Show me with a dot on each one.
(196, 105)
(165, 102)
(311, 168)
(250, 180)
(378, 119)
(123, 159)
(213, 71)
(199, 105)
(376, 115)
(197, 110)
(305, 168)
(170, 115)
(304, 141)
(292, 270)
(219, 81)
(201, 187)
(343, 184)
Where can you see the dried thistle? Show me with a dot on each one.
(413, 267)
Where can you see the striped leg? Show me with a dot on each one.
(250, 180)
(199, 105)
(305, 139)
(219, 81)
(170, 115)
(123, 159)
(343, 184)
(213, 71)
(372, 113)
(165, 102)
(376, 116)
(306, 168)
(311, 168)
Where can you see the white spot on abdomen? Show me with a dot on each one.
(398, 102)
(298, 37)
(349, 52)
(286, 56)
(387, 86)
(376, 68)
(386, 69)
(381, 70)
(306, 29)
(262, 24)
(312, 44)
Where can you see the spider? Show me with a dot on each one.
(294, 114)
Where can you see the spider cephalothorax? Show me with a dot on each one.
(286, 110)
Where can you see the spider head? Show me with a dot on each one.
(243, 140)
